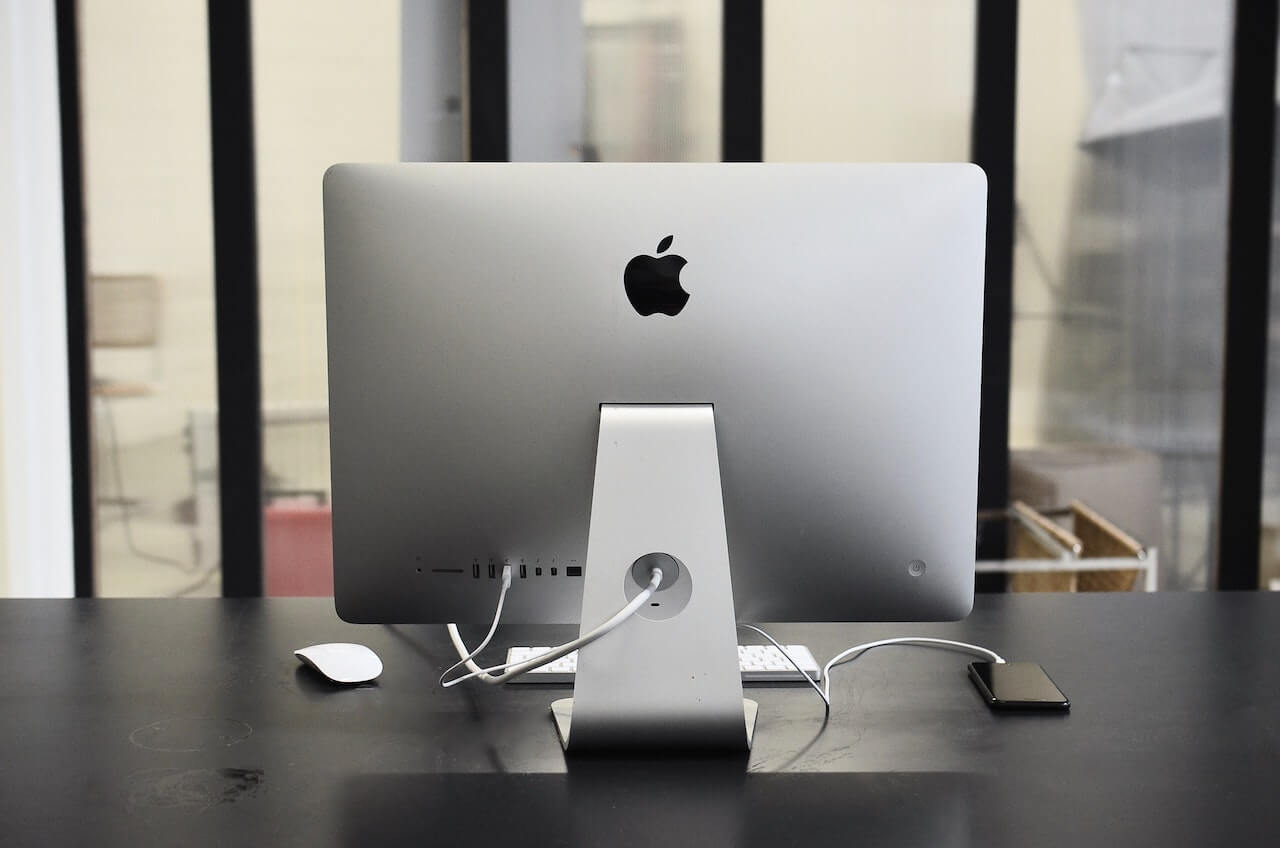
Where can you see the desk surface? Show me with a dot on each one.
(190, 722)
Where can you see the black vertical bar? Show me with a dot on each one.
(78, 374)
(994, 121)
(742, 81)
(487, 84)
(235, 260)
(1251, 159)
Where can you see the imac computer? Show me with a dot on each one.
(762, 377)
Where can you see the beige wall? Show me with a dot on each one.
(145, 101)
(326, 90)
(1052, 103)
(868, 81)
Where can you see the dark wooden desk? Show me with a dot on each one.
(190, 722)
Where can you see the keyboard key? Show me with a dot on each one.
(758, 664)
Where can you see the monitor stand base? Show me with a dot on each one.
(667, 678)
(562, 712)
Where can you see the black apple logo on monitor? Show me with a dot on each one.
(653, 282)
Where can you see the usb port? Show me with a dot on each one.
(553, 571)
(573, 571)
(524, 571)
(475, 570)
(492, 571)
(538, 571)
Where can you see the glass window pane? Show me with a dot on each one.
(615, 80)
(145, 107)
(1119, 274)
(327, 88)
(873, 80)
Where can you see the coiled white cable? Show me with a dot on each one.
(510, 670)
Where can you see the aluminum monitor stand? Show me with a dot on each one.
(668, 677)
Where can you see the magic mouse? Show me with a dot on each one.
(342, 662)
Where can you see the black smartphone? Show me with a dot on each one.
(1017, 686)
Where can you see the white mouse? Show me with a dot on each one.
(342, 662)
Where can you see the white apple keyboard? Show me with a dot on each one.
(758, 664)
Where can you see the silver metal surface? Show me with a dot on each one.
(477, 320)
(659, 681)
(562, 714)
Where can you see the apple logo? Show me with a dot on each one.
(653, 282)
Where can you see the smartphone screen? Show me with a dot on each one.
(1017, 685)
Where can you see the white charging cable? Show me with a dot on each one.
(493, 628)
(850, 654)
(515, 669)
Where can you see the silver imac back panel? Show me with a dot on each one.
(480, 315)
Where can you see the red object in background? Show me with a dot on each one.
(299, 550)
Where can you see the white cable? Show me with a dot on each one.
(493, 628)
(826, 698)
(515, 669)
(921, 641)
(850, 654)
(461, 648)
